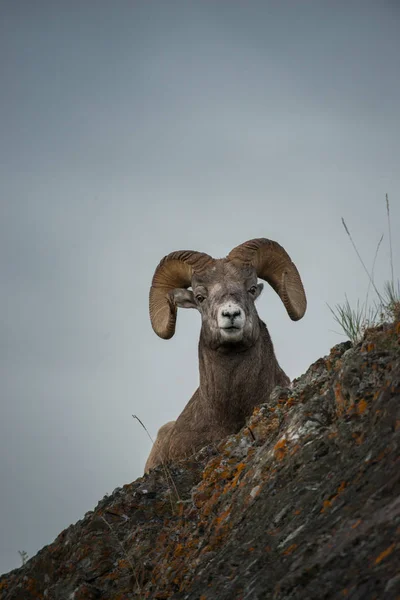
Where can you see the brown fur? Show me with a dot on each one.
(234, 377)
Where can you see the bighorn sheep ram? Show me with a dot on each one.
(238, 367)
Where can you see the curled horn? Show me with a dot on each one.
(174, 271)
(274, 265)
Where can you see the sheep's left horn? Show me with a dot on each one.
(174, 271)
(273, 264)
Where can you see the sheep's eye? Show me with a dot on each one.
(199, 298)
(253, 290)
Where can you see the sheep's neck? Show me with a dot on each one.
(232, 383)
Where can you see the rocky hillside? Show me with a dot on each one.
(304, 503)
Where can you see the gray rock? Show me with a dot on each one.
(303, 503)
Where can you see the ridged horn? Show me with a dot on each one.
(274, 265)
(174, 271)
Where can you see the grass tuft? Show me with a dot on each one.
(354, 321)
(386, 306)
(392, 299)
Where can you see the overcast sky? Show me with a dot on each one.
(129, 129)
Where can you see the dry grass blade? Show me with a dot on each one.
(127, 557)
(360, 259)
(390, 237)
(372, 273)
(144, 427)
(167, 472)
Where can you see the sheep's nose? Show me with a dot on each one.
(231, 313)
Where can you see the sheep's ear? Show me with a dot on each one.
(183, 298)
(260, 287)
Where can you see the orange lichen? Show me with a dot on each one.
(264, 428)
(239, 469)
(250, 452)
(179, 550)
(382, 454)
(280, 449)
(358, 437)
(123, 564)
(384, 554)
(340, 401)
(224, 515)
(328, 502)
(290, 549)
(356, 524)
(362, 406)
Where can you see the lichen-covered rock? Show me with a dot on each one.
(303, 503)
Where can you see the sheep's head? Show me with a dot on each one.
(224, 290)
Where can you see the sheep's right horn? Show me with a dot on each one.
(273, 264)
(174, 271)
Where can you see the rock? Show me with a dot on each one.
(303, 503)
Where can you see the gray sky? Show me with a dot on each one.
(130, 129)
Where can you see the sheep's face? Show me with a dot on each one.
(224, 295)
